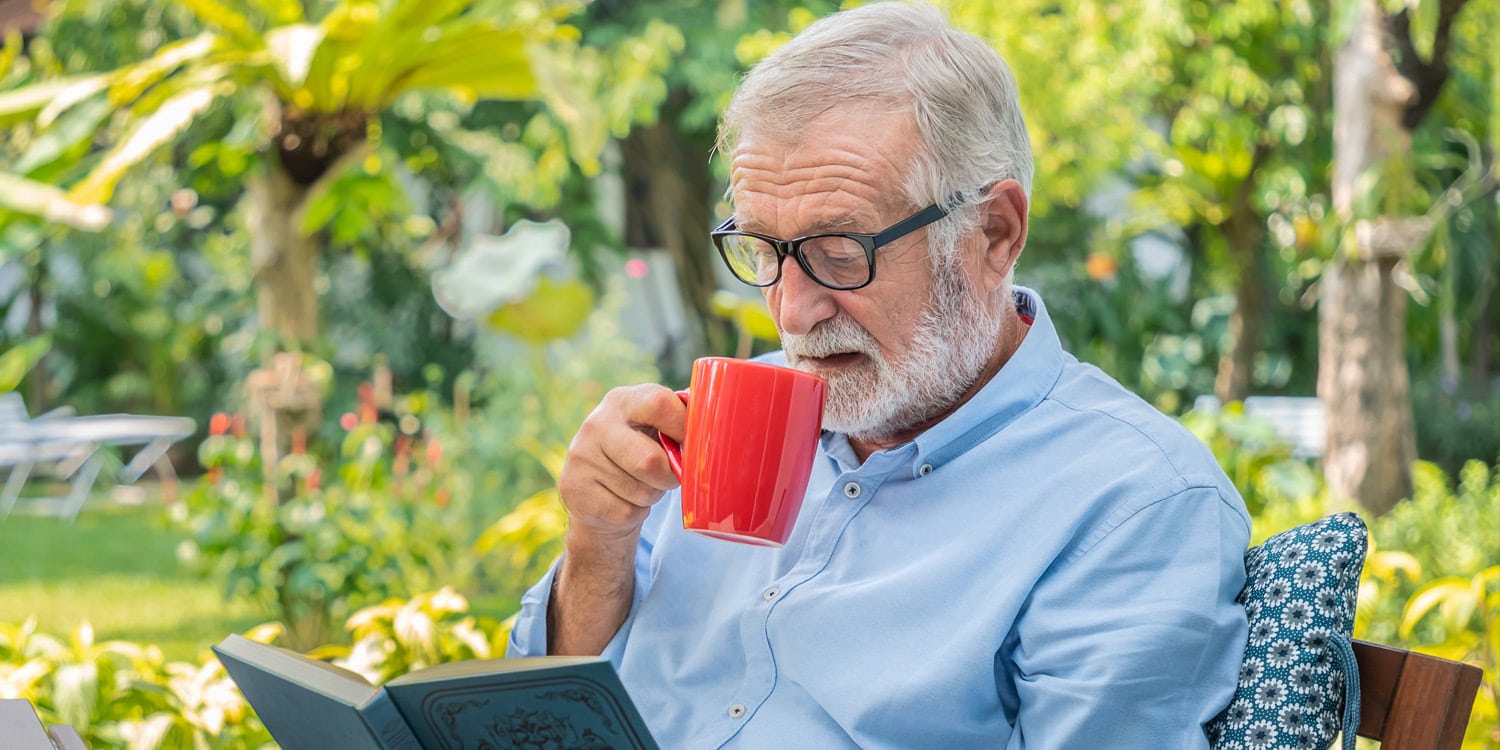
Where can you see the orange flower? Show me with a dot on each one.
(218, 424)
(1101, 266)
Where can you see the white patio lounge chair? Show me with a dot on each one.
(73, 444)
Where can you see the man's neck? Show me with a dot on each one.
(1012, 332)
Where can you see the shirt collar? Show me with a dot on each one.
(1025, 379)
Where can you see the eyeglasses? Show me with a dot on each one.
(837, 260)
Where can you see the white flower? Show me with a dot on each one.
(1262, 632)
(1291, 718)
(1338, 565)
(1328, 541)
(1306, 739)
(1317, 639)
(1282, 654)
(1252, 609)
(1297, 615)
(1238, 714)
(1303, 678)
(1250, 671)
(1261, 736)
(1309, 574)
(1330, 603)
(1277, 591)
(1270, 694)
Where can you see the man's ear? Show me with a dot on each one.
(1003, 219)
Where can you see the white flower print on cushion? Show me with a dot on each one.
(1299, 599)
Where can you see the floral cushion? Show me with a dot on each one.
(1299, 685)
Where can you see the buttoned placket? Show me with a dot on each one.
(848, 494)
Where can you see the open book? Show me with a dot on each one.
(550, 701)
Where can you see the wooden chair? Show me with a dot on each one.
(1411, 701)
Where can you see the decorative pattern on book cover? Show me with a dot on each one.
(562, 709)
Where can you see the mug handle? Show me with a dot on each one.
(672, 447)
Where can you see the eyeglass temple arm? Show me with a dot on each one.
(916, 221)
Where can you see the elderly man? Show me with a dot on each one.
(999, 546)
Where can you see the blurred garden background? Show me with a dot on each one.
(387, 254)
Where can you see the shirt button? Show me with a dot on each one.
(737, 711)
(851, 490)
(925, 470)
(771, 593)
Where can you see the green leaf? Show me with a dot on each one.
(173, 117)
(217, 15)
(1386, 566)
(279, 12)
(22, 104)
(52, 204)
(18, 360)
(75, 691)
(1433, 594)
(749, 314)
(292, 48)
(62, 145)
(478, 62)
(129, 83)
(1424, 23)
(556, 310)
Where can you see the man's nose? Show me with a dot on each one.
(797, 301)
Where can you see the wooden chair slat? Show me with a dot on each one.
(1410, 701)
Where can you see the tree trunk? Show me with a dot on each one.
(1243, 232)
(1362, 375)
(283, 259)
(668, 188)
(1362, 379)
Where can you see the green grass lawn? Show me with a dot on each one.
(115, 567)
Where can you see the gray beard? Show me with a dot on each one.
(950, 347)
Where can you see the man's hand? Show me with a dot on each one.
(615, 471)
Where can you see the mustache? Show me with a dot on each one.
(838, 335)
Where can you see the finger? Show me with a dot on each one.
(640, 457)
(650, 408)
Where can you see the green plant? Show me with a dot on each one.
(1432, 581)
(315, 545)
(1261, 466)
(1461, 617)
(125, 695)
(398, 636)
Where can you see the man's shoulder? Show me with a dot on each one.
(1088, 413)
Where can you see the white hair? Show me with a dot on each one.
(892, 55)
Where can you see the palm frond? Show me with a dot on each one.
(44, 201)
(170, 119)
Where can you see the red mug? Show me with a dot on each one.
(752, 434)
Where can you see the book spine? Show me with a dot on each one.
(387, 725)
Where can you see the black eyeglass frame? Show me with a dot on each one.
(793, 247)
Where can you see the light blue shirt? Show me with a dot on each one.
(1052, 566)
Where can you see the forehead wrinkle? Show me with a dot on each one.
(829, 186)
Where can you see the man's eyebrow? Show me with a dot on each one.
(836, 223)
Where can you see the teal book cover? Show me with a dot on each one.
(568, 703)
(565, 703)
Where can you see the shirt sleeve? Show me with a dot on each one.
(1134, 641)
(528, 634)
